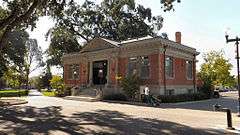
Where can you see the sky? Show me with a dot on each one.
(203, 24)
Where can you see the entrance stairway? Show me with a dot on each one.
(89, 94)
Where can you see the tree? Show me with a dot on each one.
(216, 70)
(33, 58)
(47, 76)
(167, 5)
(12, 78)
(24, 13)
(21, 14)
(14, 52)
(62, 42)
(15, 17)
(131, 86)
(56, 82)
(116, 20)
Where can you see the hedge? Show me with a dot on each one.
(49, 93)
(117, 97)
(13, 93)
(182, 98)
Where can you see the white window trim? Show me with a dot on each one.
(186, 68)
(173, 61)
(149, 76)
(79, 71)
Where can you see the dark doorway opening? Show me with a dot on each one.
(100, 72)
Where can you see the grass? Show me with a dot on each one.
(49, 93)
(13, 93)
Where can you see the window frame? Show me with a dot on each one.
(173, 67)
(72, 68)
(143, 65)
(187, 68)
(128, 65)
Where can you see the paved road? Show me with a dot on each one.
(227, 100)
(50, 115)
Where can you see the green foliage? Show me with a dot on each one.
(63, 91)
(131, 86)
(117, 97)
(62, 42)
(56, 82)
(46, 77)
(49, 93)
(182, 98)
(215, 71)
(116, 20)
(33, 58)
(13, 78)
(167, 5)
(13, 93)
(14, 52)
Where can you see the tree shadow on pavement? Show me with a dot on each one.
(24, 120)
(206, 105)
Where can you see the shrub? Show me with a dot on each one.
(48, 93)
(13, 93)
(62, 91)
(56, 82)
(118, 97)
(131, 85)
(182, 97)
(67, 91)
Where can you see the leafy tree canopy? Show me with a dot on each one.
(112, 19)
(216, 69)
(109, 19)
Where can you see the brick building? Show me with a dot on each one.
(167, 67)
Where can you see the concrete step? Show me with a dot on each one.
(82, 98)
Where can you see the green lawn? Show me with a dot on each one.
(13, 93)
(48, 93)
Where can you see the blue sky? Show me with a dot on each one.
(202, 22)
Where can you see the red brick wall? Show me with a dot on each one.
(122, 66)
(65, 73)
(83, 73)
(112, 70)
(155, 68)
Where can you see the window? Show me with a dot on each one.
(169, 67)
(73, 71)
(169, 92)
(132, 66)
(145, 68)
(189, 68)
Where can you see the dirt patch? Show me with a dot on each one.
(7, 102)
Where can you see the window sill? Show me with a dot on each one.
(170, 78)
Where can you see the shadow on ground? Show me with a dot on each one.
(206, 105)
(30, 120)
